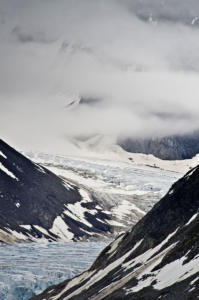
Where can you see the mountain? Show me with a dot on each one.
(157, 259)
(36, 204)
(171, 147)
(157, 12)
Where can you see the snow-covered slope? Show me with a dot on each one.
(35, 204)
(157, 259)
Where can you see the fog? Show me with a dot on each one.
(140, 59)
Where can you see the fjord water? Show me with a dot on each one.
(27, 269)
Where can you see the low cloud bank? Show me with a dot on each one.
(140, 60)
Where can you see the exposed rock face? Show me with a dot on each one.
(171, 147)
(35, 203)
(157, 259)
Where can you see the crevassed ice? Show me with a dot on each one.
(28, 269)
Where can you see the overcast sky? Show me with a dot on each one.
(140, 59)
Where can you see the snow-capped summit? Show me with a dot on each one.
(157, 259)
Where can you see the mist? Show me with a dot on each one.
(140, 59)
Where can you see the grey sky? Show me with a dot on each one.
(140, 57)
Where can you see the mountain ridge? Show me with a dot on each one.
(174, 147)
(36, 204)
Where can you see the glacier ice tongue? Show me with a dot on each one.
(28, 269)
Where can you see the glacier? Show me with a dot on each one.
(125, 185)
(28, 269)
(141, 180)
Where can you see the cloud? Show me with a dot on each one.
(141, 58)
(26, 37)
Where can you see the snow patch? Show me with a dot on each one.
(40, 168)
(1, 153)
(79, 212)
(146, 268)
(9, 173)
(67, 185)
(146, 255)
(85, 195)
(125, 207)
(61, 229)
(114, 245)
(28, 227)
(191, 219)
(190, 173)
(41, 229)
(115, 223)
(193, 281)
(18, 235)
(178, 272)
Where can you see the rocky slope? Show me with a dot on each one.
(170, 147)
(157, 259)
(36, 204)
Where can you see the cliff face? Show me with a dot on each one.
(157, 259)
(35, 203)
(171, 147)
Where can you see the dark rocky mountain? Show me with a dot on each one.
(36, 204)
(157, 259)
(84, 101)
(171, 147)
(170, 11)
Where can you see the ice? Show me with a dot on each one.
(28, 269)
(122, 179)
